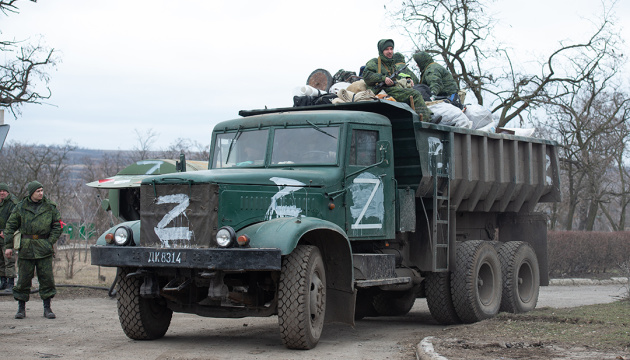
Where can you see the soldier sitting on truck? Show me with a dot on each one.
(377, 74)
(437, 78)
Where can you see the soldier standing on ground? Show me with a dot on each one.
(7, 266)
(379, 69)
(38, 220)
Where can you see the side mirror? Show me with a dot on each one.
(382, 149)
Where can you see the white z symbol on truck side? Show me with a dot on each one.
(169, 235)
(360, 198)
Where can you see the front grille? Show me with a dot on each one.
(178, 216)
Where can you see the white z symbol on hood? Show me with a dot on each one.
(286, 187)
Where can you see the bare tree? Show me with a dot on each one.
(591, 124)
(145, 141)
(22, 163)
(459, 33)
(27, 66)
(192, 149)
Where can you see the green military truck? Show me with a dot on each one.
(332, 213)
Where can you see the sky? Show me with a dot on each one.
(179, 68)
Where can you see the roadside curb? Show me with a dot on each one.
(580, 281)
(425, 351)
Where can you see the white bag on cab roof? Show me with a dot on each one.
(451, 115)
(479, 115)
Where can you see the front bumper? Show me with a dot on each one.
(246, 259)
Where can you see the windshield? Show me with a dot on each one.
(300, 146)
(240, 149)
(309, 146)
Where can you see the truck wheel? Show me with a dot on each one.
(476, 281)
(302, 298)
(394, 303)
(140, 318)
(439, 299)
(521, 277)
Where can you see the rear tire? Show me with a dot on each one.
(439, 299)
(476, 282)
(302, 298)
(140, 318)
(521, 277)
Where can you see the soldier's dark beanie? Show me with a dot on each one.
(388, 42)
(33, 186)
(4, 186)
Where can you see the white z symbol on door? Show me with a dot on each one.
(377, 183)
(169, 235)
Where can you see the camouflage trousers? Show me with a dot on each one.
(7, 266)
(403, 94)
(26, 271)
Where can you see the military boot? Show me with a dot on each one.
(48, 314)
(21, 313)
(3, 283)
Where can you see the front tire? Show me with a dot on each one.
(476, 281)
(140, 318)
(302, 298)
(521, 277)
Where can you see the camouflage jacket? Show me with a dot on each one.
(373, 76)
(434, 75)
(6, 206)
(41, 218)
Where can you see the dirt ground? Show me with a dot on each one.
(87, 327)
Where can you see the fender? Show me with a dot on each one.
(285, 233)
(289, 232)
(135, 228)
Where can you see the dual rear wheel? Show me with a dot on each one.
(488, 278)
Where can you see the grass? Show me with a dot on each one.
(601, 326)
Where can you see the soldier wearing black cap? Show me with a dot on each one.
(38, 220)
(7, 266)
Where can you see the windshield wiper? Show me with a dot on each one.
(234, 139)
(319, 129)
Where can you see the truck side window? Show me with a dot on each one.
(363, 147)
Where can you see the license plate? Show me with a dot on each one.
(165, 257)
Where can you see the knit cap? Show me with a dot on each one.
(4, 186)
(33, 186)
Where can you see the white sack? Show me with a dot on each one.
(522, 132)
(479, 115)
(334, 89)
(451, 115)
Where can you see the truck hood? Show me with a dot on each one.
(316, 176)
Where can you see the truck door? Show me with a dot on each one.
(370, 211)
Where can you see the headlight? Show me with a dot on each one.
(225, 236)
(123, 236)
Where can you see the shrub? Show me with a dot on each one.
(580, 252)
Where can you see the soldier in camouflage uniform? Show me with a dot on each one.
(7, 266)
(39, 221)
(434, 75)
(378, 69)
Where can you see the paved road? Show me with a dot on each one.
(89, 328)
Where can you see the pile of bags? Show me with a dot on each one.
(346, 86)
